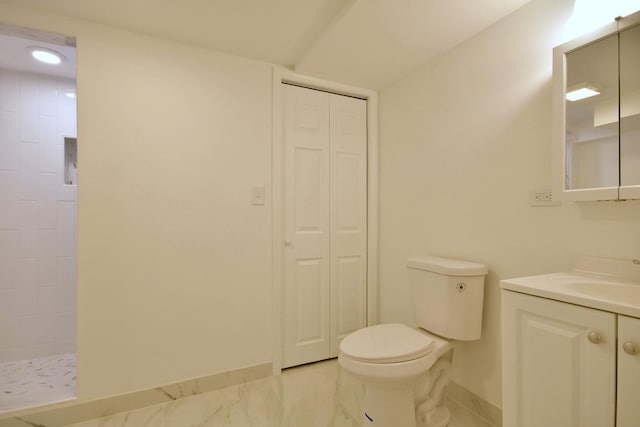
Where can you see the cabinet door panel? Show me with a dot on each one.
(553, 376)
(628, 373)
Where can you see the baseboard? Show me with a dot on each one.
(480, 408)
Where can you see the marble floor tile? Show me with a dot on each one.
(152, 416)
(205, 410)
(314, 395)
(33, 382)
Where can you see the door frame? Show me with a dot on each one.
(280, 76)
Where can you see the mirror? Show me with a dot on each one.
(597, 114)
(630, 107)
(591, 104)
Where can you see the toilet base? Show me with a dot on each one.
(439, 417)
(394, 407)
(388, 407)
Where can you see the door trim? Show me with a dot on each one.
(280, 76)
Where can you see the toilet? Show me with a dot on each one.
(405, 371)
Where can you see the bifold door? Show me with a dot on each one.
(325, 191)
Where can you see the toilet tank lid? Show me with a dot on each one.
(446, 266)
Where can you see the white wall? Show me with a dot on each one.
(463, 141)
(173, 260)
(37, 218)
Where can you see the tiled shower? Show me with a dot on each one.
(37, 238)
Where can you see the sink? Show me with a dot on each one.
(625, 293)
(590, 290)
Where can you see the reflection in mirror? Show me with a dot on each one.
(630, 106)
(592, 116)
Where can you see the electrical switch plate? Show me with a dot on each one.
(542, 198)
(257, 196)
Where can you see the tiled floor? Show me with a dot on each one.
(26, 383)
(315, 395)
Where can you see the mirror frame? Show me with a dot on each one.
(558, 129)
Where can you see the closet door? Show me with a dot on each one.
(325, 169)
(348, 132)
(306, 335)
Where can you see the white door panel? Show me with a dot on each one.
(325, 142)
(306, 226)
(348, 129)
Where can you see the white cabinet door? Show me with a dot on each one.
(325, 171)
(553, 375)
(628, 372)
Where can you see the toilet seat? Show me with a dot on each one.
(387, 343)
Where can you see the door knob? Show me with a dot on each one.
(594, 337)
(630, 348)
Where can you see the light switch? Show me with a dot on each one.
(257, 196)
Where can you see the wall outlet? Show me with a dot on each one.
(542, 198)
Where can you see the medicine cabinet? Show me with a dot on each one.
(596, 114)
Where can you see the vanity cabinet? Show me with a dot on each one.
(566, 365)
(559, 364)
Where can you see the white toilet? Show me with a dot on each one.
(402, 368)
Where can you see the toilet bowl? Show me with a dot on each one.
(405, 371)
(389, 359)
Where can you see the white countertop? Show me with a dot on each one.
(599, 292)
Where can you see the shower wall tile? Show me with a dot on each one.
(48, 97)
(28, 244)
(47, 214)
(37, 243)
(66, 110)
(27, 215)
(29, 127)
(8, 306)
(66, 229)
(28, 172)
(49, 154)
(9, 140)
(47, 244)
(66, 270)
(47, 271)
(29, 94)
(28, 287)
(8, 259)
(9, 91)
(8, 200)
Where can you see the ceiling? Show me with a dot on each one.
(15, 55)
(367, 43)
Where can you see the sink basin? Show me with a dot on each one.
(625, 293)
(600, 292)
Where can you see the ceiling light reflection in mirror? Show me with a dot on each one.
(590, 14)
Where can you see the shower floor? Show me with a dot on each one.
(33, 382)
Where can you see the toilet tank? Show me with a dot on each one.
(448, 296)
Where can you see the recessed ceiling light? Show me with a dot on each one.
(48, 56)
(582, 91)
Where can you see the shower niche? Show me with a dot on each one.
(70, 161)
